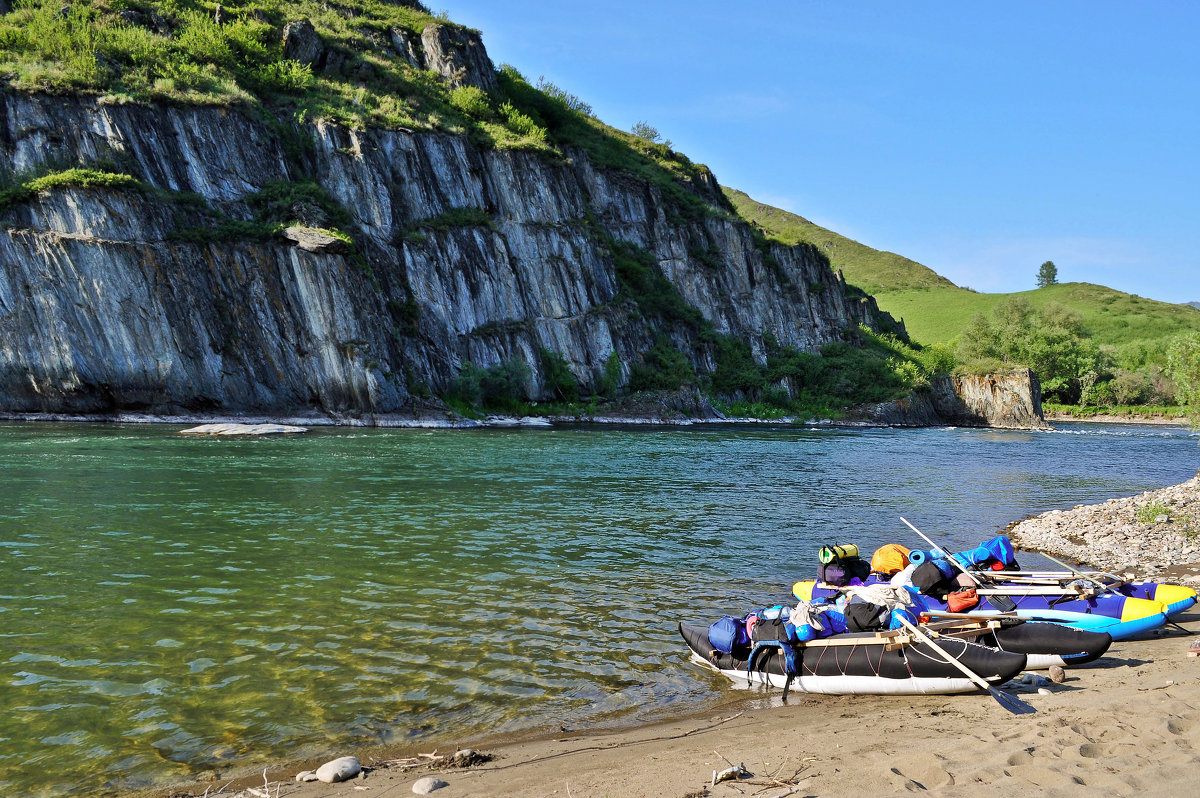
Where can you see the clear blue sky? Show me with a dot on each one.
(978, 138)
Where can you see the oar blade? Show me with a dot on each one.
(1002, 602)
(1011, 702)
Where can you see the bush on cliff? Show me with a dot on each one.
(499, 387)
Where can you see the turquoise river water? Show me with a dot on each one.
(170, 605)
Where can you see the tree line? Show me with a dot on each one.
(1072, 367)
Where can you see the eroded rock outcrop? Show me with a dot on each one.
(458, 56)
(992, 400)
(107, 303)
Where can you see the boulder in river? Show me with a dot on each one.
(242, 429)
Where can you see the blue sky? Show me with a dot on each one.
(978, 138)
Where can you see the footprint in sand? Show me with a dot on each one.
(920, 773)
(1021, 757)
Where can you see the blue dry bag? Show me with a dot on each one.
(727, 634)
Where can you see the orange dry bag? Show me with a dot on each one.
(889, 559)
(962, 601)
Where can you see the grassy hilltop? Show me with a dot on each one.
(872, 270)
(936, 310)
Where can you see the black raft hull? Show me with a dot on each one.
(863, 668)
(1047, 644)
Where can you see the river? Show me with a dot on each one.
(172, 605)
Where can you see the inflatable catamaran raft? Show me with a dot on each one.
(985, 580)
(878, 663)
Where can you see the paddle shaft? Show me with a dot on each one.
(1077, 572)
(924, 638)
(949, 556)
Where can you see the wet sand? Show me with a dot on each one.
(1128, 724)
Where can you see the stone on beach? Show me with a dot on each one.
(306, 775)
(427, 785)
(347, 767)
(1109, 535)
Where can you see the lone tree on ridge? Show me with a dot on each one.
(1047, 274)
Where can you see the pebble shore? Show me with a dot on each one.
(1163, 546)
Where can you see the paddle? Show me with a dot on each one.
(1081, 575)
(1000, 602)
(1009, 702)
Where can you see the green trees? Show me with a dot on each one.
(1047, 274)
(1183, 365)
(644, 130)
(1051, 342)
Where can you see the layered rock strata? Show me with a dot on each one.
(105, 307)
(993, 400)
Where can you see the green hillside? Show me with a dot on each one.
(1111, 317)
(935, 310)
(872, 270)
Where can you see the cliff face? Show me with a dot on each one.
(992, 400)
(103, 307)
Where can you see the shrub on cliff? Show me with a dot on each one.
(557, 376)
(662, 368)
(499, 387)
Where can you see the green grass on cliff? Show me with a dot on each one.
(23, 190)
(871, 270)
(174, 51)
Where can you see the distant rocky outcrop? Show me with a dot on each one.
(458, 56)
(991, 400)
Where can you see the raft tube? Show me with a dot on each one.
(1047, 644)
(867, 669)
(1120, 616)
(1177, 598)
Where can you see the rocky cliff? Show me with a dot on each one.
(109, 301)
(991, 400)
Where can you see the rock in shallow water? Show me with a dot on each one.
(341, 769)
(242, 429)
(427, 785)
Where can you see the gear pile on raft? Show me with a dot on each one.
(910, 622)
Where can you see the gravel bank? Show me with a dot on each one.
(1152, 535)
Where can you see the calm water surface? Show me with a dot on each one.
(170, 605)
